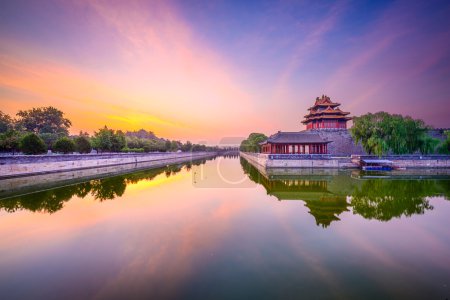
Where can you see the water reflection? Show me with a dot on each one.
(50, 201)
(326, 193)
(329, 194)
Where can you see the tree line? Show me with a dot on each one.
(37, 130)
(383, 133)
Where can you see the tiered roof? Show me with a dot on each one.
(294, 137)
(324, 108)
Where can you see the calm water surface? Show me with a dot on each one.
(220, 229)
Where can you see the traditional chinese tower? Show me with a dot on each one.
(326, 114)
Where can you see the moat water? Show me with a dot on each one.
(219, 229)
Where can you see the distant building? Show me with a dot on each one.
(326, 114)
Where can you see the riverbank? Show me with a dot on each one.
(27, 165)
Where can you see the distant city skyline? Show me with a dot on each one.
(203, 70)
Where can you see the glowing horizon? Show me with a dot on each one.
(202, 71)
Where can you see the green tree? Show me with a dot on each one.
(43, 120)
(251, 144)
(102, 140)
(82, 144)
(32, 144)
(50, 138)
(174, 145)
(109, 140)
(444, 146)
(118, 141)
(6, 122)
(64, 145)
(382, 132)
(167, 145)
(187, 147)
(9, 141)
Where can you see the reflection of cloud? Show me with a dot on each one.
(313, 260)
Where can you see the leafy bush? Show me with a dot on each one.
(9, 141)
(64, 145)
(32, 144)
(83, 144)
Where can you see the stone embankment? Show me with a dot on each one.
(24, 165)
(411, 161)
(263, 161)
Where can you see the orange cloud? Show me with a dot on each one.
(164, 79)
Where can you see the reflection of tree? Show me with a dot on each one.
(50, 201)
(383, 199)
(380, 199)
(108, 188)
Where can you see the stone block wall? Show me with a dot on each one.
(342, 143)
(22, 165)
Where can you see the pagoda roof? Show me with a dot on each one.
(327, 118)
(328, 110)
(324, 101)
(300, 137)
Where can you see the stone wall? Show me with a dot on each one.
(265, 161)
(403, 161)
(342, 143)
(411, 161)
(24, 165)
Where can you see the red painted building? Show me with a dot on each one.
(326, 114)
(294, 143)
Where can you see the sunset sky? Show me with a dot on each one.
(203, 70)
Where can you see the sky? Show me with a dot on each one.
(207, 70)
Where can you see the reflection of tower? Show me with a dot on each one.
(326, 209)
(323, 205)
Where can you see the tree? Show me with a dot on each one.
(187, 147)
(32, 144)
(251, 144)
(109, 140)
(382, 132)
(6, 123)
(50, 138)
(103, 139)
(9, 141)
(167, 145)
(174, 145)
(444, 147)
(118, 141)
(43, 120)
(82, 144)
(64, 145)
